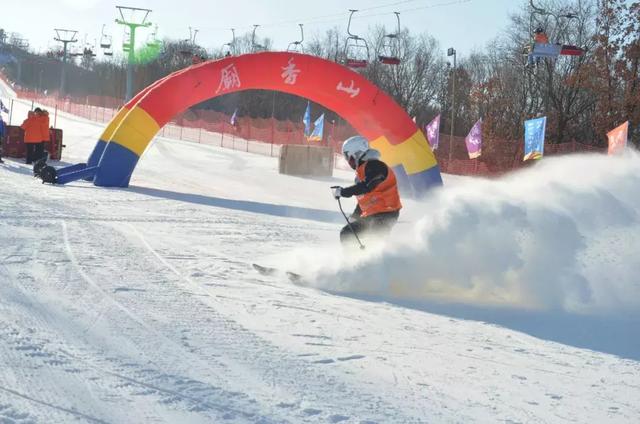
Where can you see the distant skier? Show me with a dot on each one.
(376, 189)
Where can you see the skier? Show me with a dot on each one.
(376, 189)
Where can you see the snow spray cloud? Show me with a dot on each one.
(563, 235)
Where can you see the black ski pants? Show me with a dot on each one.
(35, 151)
(379, 224)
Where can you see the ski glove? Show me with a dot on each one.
(337, 192)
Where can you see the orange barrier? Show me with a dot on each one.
(13, 143)
(498, 156)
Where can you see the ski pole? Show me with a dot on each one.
(349, 224)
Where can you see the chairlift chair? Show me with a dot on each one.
(391, 46)
(255, 47)
(88, 52)
(75, 52)
(105, 40)
(126, 41)
(185, 48)
(185, 45)
(356, 49)
(152, 39)
(296, 46)
(227, 48)
(550, 50)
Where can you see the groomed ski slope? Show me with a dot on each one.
(140, 305)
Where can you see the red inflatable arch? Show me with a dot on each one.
(368, 109)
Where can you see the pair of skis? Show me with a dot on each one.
(271, 271)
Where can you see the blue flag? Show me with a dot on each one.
(307, 120)
(534, 138)
(234, 117)
(318, 128)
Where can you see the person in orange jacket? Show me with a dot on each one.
(376, 189)
(540, 36)
(43, 124)
(32, 135)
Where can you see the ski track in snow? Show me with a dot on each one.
(126, 306)
(170, 335)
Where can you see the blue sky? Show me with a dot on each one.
(463, 24)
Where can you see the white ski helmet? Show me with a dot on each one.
(354, 148)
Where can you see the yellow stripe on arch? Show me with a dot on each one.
(136, 131)
(414, 153)
(113, 124)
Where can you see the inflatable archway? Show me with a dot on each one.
(369, 110)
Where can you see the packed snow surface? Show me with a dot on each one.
(510, 300)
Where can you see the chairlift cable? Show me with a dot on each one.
(338, 17)
(360, 17)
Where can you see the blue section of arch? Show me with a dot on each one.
(425, 180)
(121, 162)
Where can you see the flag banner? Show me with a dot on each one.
(318, 128)
(618, 138)
(234, 117)
(433, 132)
(473, 140)
(534, 138)
(307, 120)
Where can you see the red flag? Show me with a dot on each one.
(618, 138)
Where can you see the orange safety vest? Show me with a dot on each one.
(383, 198)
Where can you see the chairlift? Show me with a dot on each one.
(254, 46)
(228, 48)
(88, 52)
(105, 40)
(296, 46)
(187, 47)
(541, 47)
(356, 49)
(152, 39)
(391, 46)
(75, 52)
(126, 41)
